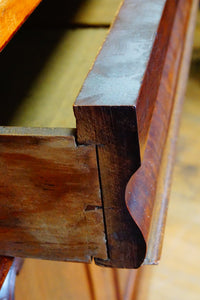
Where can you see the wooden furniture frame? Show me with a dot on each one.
(101, 190)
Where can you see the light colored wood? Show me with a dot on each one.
(97, 12)
(50, 204)
(45, 97)
(49, 280)
(12, 14)
(196, 50)
(87, 13)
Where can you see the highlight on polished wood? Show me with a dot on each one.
(13, 13)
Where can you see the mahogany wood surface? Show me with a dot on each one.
(141, 189)
(12, 15)
(123, 113)
(157, 228)
(121, 104)
(50, 200)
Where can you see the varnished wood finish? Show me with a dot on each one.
(163, 186)
(119, 103)
(12, 15)
(120, 118)
(141, 189)
(50, 200)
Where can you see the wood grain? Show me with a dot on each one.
(12, 15)
(116, 101)
(50, 201)
(157, 228)
(141, 189)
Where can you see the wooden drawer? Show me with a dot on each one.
(99, 190)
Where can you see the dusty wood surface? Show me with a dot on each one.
(12, 15)
(50, 200)
(110, 110)
(165, 175)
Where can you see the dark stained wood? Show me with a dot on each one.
(50, 204)
(141, 189)
(52, 188)
(13, 13)
(157, 228)
(136, 69)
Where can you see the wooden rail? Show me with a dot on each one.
(124, 108)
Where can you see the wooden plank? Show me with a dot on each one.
(116, 102)
(141, 188)
(41, 74)
(156, 235)
(50, 205)
(12, 15)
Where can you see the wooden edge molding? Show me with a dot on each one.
(144, 184)
(124, 108)
(50, 202)
(156, 235)
(13, 14)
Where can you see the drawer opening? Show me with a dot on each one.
(44, 65)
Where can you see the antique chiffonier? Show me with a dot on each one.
(91, 94)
